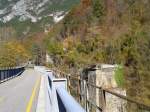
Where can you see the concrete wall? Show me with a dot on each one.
(103, 76)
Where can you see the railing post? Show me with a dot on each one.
(103, 100)
(68, 83)
(87, 96)
(79, 89)
(5, 73)
(0, 76)
(84, 94)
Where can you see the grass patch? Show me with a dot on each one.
(119, 76)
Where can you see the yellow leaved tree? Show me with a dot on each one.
(13, 53)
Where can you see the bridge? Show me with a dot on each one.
(50, 90)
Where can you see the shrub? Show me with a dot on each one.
(55, 48)
(119, 76)
(98, 8)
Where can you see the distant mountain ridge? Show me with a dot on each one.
(34, 10)
(20, 18)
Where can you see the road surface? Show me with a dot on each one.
(21, 93)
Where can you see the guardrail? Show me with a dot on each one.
(69, 103)
(65, 102)
(8, 73)
(75, 84)
(57, 98)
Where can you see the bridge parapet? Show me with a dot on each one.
(10, 72)
(80, 90)
(57, 97)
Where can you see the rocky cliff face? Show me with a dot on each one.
(33, 9)
(27, 17)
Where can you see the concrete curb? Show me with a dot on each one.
(41, 106)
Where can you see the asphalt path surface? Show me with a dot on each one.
(20, 94)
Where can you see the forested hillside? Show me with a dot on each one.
(106, 31)
(23, 24)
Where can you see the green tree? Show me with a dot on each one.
(98, 8)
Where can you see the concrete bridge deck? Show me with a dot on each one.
(20, 94)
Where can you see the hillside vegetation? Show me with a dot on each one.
(13, 54)
(106, 31)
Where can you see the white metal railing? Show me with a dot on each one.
(57, 98)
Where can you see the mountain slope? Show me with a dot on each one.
(31, 16)
(32, 9)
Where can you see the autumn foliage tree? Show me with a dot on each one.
(13, 54)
